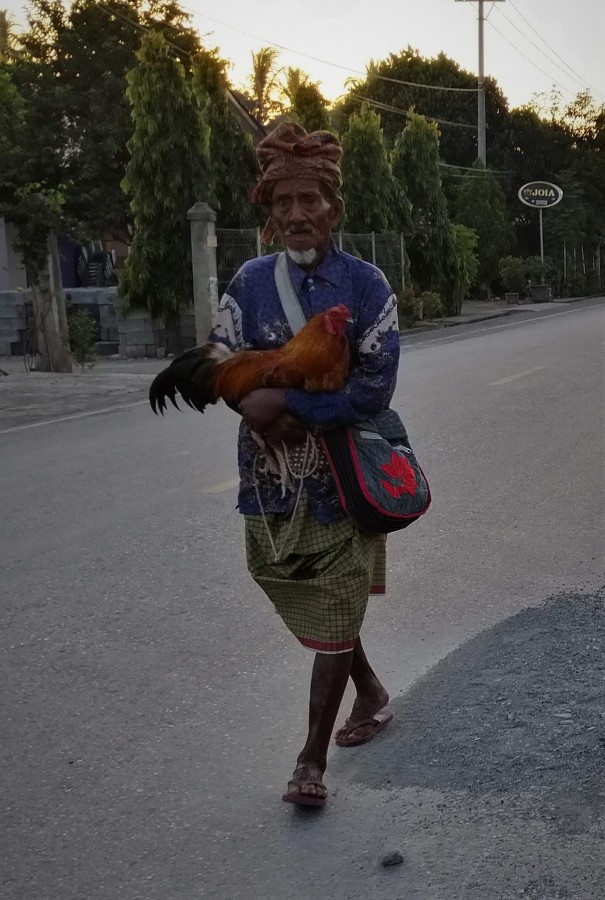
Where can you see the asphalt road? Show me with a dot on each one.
(153, 705)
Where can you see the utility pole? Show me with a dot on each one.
(481, 124)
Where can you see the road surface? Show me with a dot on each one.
(153, 704)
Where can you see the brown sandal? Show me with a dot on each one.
(345, 736)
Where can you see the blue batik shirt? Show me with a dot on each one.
(250, 317)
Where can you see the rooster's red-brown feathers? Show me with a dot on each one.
(315, 359)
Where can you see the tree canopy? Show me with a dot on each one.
(480, 205)
(168, 169)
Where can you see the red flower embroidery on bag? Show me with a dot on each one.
(402, 472)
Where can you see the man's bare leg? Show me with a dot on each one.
(371, 698)
(371, 693)
(328, 682)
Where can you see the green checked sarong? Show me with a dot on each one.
(321, 583)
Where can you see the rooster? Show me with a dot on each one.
(316, 359)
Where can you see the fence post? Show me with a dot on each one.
(340, 240)
(203, 260)
(564, 264)
(373, 248)
(259, 249)
(402, 249)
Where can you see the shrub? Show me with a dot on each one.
(82, 337)
(432, 305)
(409, 307)
(517, 272)
(463, 267)
(512, 273)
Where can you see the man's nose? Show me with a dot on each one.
(296, 212)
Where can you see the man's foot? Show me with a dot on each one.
(368, 716)
(306, 787)
(353, 732)
(369, 702)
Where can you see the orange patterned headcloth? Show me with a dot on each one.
(291, 152)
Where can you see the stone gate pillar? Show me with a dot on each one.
(203, 258)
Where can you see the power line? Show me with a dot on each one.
(581, 82)
(479, 172)
(144, 28)
(531, 61)
(428, 87)
(552, 50)
(402, 112)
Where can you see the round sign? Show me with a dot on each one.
(540, 194)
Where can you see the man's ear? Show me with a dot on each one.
(338, 208)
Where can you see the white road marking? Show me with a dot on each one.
(515, 377)
(82, 415)
(220, 486)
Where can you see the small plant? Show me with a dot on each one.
(432, 305)
(409, 307)
(512, 272)
(82, 338)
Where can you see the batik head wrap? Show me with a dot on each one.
(291, 152)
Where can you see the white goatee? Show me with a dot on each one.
(302, 257)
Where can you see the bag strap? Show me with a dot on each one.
(287, 295)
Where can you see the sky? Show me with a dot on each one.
(530, 45)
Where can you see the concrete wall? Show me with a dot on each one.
(14, 322)
(102, 303)
(135, 335)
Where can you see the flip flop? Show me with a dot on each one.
(305, 799)
(379, 721)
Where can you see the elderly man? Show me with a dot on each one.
(313, 563)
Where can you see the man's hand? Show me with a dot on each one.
(286, 428)
(262, 407)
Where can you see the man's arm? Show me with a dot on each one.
(263, 410)
(373, 377)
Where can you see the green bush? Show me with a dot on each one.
(82, 337)
(409, 307)
(432, 305)
(517, 272)
(512, 273)
(463, 267)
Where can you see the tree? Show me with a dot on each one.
(232, 165)
(463, 267)
(307, 104)
(264, 84)
(8, 38)
(415, 163)
(36, 210)
(456, 108)
(166, 174)
(480, 204)
(72, 69)
(368, 187)
(310, 108)
(294, 79)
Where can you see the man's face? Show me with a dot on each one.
(303, 216)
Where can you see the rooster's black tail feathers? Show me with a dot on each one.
(191, 374)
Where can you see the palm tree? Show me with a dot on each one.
(7, 35)
(294, 80)
(264, 84)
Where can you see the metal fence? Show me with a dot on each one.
(237, 245)
(580, 269)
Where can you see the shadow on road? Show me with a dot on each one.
(520, 708)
